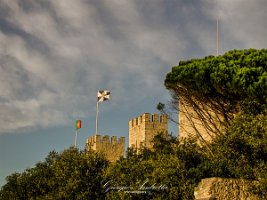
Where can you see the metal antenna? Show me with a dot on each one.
(217, 48)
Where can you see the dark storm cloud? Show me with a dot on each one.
(55, 55)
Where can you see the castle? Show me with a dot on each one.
(141, 132)
(143, 129)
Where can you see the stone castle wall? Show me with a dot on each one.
(112, 148)
(191, 125)
(141, 132)
(223, 189)
(143, 129)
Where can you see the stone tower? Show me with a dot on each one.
(113, 149)
(191, 125)
(143, 129)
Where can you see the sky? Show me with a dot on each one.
(56, 54)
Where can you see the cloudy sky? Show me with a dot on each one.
(56, 54)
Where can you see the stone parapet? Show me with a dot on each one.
(111, 147)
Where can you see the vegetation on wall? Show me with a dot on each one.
(217, 88)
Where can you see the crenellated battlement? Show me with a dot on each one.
(112, 147)
(98, 139)
(148, 118)
(142, 129)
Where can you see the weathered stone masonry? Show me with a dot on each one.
(143, 129)
(112, 148)
(223, 189)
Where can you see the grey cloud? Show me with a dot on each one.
(55, 55)
(21, 84)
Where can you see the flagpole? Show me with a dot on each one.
(102, 95)
(75, 140)
(96, 120)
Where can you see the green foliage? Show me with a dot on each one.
(234, 79)
(72, 174)
(160, 106)
(242, 151)
(170, 171)
(233, 86)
